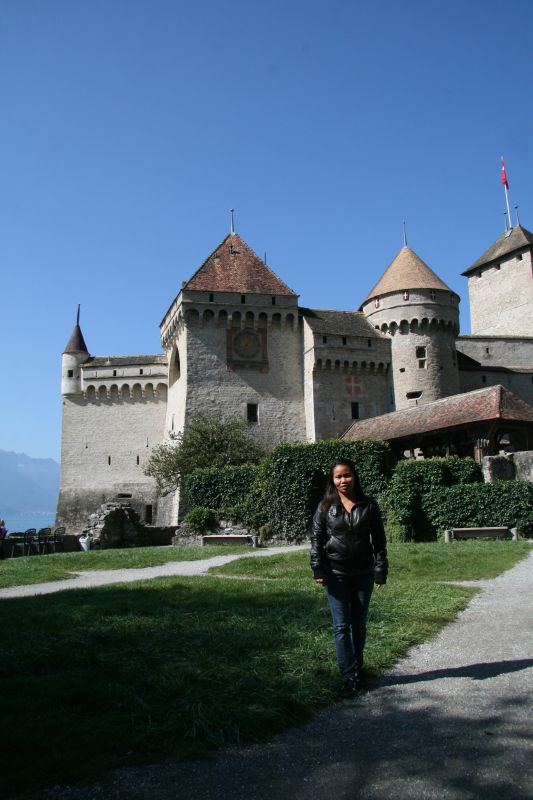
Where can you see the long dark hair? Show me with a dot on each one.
(331, 494)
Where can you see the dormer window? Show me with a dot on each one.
(406, 295)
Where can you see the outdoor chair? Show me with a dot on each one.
(56, 541)
(27, 545)
(44, 536)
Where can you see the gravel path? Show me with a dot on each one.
(452, 721)
(104, 577)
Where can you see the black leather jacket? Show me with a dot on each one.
(349, 544)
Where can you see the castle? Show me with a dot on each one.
(236, 343)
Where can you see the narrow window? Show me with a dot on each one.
(355, 410)
(273, 301)
(433, 294)
(109, 461)
(251, 413)
(406, 295)
(519, 257)
(422, 363)
(137, 460)
(141, 372)
(344, 339)
(421, 352)
(325, 339)
(487, 350)
(483, 379)
(148, 514)
(70, 373)
(114, 373)
(452, 299)
(243, 298)
(369, 342)
(376, 302)
(211, 298)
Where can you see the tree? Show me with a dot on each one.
(207, 441)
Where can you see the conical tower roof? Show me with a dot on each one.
(406, 271)
(76, 343)
(234, 267)
(506, 244)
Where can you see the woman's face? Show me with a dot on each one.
(343, 478)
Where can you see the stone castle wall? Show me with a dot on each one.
(501, 297)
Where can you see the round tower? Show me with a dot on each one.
(420, 313)
(75, 353)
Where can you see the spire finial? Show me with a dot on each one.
(78, 315)
(232, 222)
(517, 217)
(404, 234)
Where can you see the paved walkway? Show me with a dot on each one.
(452, 721)
(105, 577)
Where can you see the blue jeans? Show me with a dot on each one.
(349, 598)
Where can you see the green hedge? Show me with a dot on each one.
(298, 474)
(219, 487)
(413, 481)
(482, 505)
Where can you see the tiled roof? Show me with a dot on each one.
(124, 361)
(493, 403)
(344, 323)
(407, 271)
(234, 267)
(76, 343)
(504, 246)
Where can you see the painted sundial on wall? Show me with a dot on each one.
(246, 344)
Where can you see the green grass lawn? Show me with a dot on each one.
(39, 569)
(95, 679)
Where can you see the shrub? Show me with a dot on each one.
(504, 503)
(298, 475)
(413, 481)
(219, 487)
(201, 520)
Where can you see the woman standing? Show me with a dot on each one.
(348, 555)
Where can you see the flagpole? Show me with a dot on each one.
(506, 189)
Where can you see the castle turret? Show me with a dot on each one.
(75, 353)
(420, 313)
(500, 284)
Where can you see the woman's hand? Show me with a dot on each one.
(320, 581)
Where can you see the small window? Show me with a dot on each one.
(413, 395)
(344, 339)
(211, 298)
(243, 298)
(376, 302)
(137, 460)
(141, 372)
(421, 352)
(109, 461)
(355, 410)
(148, 514)
(251, 413)
(70, 373)
(273, 301)
(433, 294)
(422, 363)
(496, 266)
(487, 350)
(369, 342)
(483, 379)
(406, 295)
(324, 339)
(402, 369)
(519, 257)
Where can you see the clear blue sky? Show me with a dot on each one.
(130, 127)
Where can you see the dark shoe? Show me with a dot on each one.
(349, 688)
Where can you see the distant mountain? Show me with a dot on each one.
(27, 484)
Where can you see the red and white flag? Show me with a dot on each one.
(504, 176)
